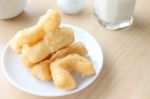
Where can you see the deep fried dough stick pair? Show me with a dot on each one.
(59, 70)
(36, 43)
(39, 71)
(30, 36)
(52, 42)
(62, 63)
(73, 62)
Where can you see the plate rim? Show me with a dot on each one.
(47, 95)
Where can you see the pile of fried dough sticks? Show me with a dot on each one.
(50, 52)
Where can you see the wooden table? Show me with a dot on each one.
(126, 70)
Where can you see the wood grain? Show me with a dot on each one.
(126, 70)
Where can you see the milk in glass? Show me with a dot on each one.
(114, 14)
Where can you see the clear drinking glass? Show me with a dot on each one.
(114, 14)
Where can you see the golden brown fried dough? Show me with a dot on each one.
(47, 49)
(77, 48)
(42, 71)
(58, 39)
(50, 21)
(38, 52)
(82, 65)
(75, 62)
(62, 63)
(62, 78)
(28, 36)
(34, 54)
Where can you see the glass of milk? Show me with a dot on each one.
(114, 14)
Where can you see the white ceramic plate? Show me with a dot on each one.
(21, 77)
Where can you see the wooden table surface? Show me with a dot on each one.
(126, 69)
